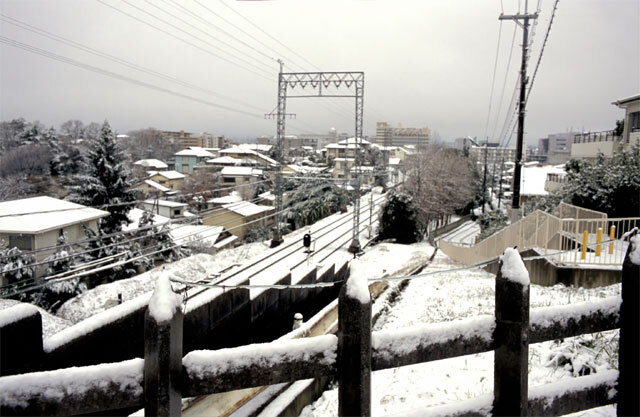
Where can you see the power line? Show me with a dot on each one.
(93, 51)
(200, 30)
(493, 80)
(206, 22)
(266, 33)
(60, 58)
(504, 82)
(544, 43)
(262, 75)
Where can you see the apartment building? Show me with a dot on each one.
(388, 135)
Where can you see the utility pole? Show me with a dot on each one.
(515, 202)
(484, 180)
(501, 173)
(281, 116)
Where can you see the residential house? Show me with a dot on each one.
(224, 161)
(233, 197)
(170, 209)
(187, 159)
(234, 176)
(150, 187)
(239, 217)
(36, 223)
(631, 132)
(238, 152)
(342, 166)
(169, 179)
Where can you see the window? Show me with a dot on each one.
(185, 167)
(228, 179)
(634, 121)
(22, 242)
(176, 212)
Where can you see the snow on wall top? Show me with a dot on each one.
(15, 313)
(513, 268)
(38, 222)
(210, 364)
(16, 390)
(164, 302)
(635, 249)
(357, 284)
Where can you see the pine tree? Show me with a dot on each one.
(399, 219)
(105, 180)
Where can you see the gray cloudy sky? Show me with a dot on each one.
(426, 63)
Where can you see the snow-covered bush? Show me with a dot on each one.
(399, 219)
(312, 200)
(258, 234)
(491, 222)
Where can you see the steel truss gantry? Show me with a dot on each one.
(320, 84)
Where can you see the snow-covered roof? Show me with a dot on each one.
(134, 216)
(185, 234)
(268, 195)
(157, 186)
(164, 203)
(224, 242)
(48, 214)
(170, 175)
(240, 171)
(344, 159)
(151, 163)
(234, 197)
(626, 100)
(224, 160)
(256, 147)
(244, 151)
(394, 161)
(363, 169)
(246, 209)
(195, 151)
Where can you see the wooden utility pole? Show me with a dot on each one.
(515, 202)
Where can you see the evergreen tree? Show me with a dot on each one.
(312, 200)
(105, 180)
(399, 219)
(157, 238)
(610, 185)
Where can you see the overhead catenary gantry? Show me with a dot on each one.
(320, 84)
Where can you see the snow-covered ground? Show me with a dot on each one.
(456, 295)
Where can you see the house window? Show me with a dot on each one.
(22, 242)
(185, 167)
(176, 212)
(227, 179)
(634, 121)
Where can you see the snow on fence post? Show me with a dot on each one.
(511, 336)
(629, 366)
(354, 348)
(163, 352)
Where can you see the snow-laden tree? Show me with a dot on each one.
(155, 238)
(610, 185)
(313, 199)
(104, 180)
(440, 181)
(399, 219)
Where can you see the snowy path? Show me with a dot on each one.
(466, 233)
(457, 295)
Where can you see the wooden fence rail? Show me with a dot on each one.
(355, 353)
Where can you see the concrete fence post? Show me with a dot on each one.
(628, 360)
(511, 336)
(354, 348)
(163, 352)
(20, 340)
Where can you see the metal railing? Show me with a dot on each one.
(604, 136)
(571, 230)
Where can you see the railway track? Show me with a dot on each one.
(292, 254)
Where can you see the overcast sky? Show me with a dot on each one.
(426, 63)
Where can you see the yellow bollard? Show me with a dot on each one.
(612, 236)
(598, 240)
(585, 237)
